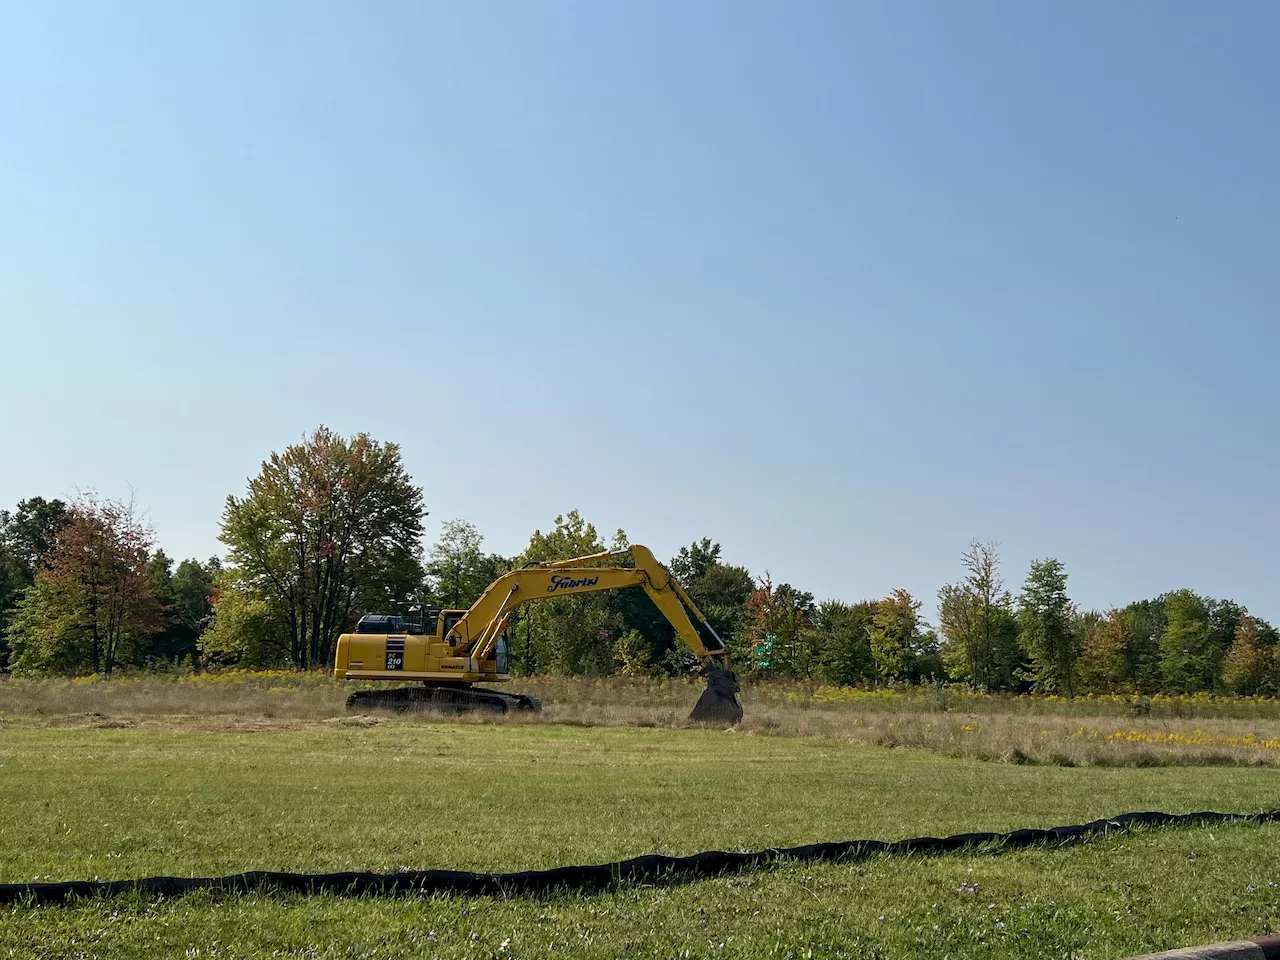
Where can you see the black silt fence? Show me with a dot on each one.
(650, 869)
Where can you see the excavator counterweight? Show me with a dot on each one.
(464, 647)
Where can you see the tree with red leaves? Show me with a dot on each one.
(780, 631)
(94, 598)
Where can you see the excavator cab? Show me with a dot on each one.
(502, 653)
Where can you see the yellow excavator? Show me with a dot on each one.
(453, 650)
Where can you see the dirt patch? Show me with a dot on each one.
(97, 721)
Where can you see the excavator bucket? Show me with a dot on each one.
(719, 702)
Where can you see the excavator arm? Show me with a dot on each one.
(478, 630)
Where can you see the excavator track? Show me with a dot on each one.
(442, 699)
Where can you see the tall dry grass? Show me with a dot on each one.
(1106, 732)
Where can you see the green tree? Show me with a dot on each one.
(1002, 660)
(12, 587)
(1225, 617)
(30, 533)
(150, 650)
(458, 570)
(720, 590)
(193, 587)
(1008, 659)
(247, 629)
(328, 528)
(897, 640)
(695, 561)
(1271, 670)
(956, 619)
(1191, 654)
(1144, 623)
(845, 633)
(48, 636)
(927, 666)
(1045, 613)
(1245, 669)
(632, 654)
(1104, 663)
(975, 615)
(1085, 624)
(185, 595)
(27, 536)
(575, 634)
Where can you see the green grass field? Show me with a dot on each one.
(78, 802)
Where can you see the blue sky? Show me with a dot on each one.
(841, 285)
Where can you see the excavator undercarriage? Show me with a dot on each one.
(443, 698)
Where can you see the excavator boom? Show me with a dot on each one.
(479, 626)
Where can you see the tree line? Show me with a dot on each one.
(331, 528)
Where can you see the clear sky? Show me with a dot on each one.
(842, 285)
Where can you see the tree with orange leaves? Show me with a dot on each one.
(93, 599)
(780, 630)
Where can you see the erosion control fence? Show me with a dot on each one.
(646, 869)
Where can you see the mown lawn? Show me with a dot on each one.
(79, 803)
